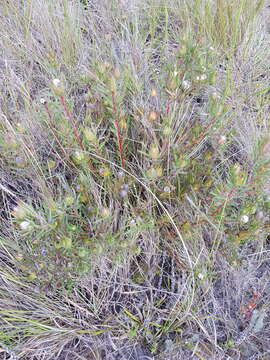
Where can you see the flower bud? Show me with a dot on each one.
(167, 131)
(154, 151)
(182, 50)
(68, 200)
(117, 74)
(66, 242)
(20, 211)
(32, 276)
(154, 173)
(104, 172)
(82, 253)
(123, 124)
(89, 135)
(112, 84)
(172, 85)
(51, 164)
(78, 157)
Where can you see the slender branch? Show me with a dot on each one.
(72, 120)
(119, 137)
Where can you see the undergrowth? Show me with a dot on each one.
(134, 168)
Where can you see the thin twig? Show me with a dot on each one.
(119, 137)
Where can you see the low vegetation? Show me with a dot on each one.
(134, 178)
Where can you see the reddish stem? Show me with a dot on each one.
(119, 137)
(228, 197)
(48, 111)
(167, 108)
(54, 133)
(72, 120)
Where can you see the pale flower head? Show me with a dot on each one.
(167, 189)
(56, 82)
(215, 95)
(244, 219)
(200, 276)
(120, 174)
(58, 87)
(186, 84)
(42, 101)
(24, 225)
(222, 139)
(201, 77)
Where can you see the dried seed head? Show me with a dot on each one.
(153, 92)
(108, 36)
(172, 85)
(117, 74)
(152, 115)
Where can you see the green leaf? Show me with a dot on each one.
(131, 316)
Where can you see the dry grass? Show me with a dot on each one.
(134, 195)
